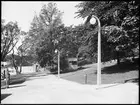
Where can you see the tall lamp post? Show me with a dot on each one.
(58, 58)
(93, 21)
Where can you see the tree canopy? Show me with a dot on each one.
(119, 22)
(9, 37)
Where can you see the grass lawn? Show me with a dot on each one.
(111, 73)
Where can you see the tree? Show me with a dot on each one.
(41, 36)
(9, 37)
(22, 52)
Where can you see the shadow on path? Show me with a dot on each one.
(134, 80)
(3, 96)
(122, 68)
(17, 81)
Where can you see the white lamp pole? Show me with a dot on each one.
(58, 64)
(58, 58)
(92, 21)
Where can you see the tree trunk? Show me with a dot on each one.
(3, 57)
(77, 56)
(14, 64)
(20, 68)
(20, 65)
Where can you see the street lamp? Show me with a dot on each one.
(93, 21)
(58, 58)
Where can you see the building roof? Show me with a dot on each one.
(5, 63)
(72, 59)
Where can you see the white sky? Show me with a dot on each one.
(23, 12)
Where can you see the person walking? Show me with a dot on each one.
(7, 76)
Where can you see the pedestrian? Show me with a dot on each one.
(3, 72)
(7, 75)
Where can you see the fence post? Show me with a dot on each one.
(85, 78)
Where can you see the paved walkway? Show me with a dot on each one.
(50, 89)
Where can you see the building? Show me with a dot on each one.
(73, 63)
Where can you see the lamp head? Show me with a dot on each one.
(56, 51)
(92, 21)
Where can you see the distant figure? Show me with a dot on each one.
(2, 73)
(7, 76)
(36, 68)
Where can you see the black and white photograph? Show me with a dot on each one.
(70, 52)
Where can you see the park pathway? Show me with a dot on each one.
(50, 89)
